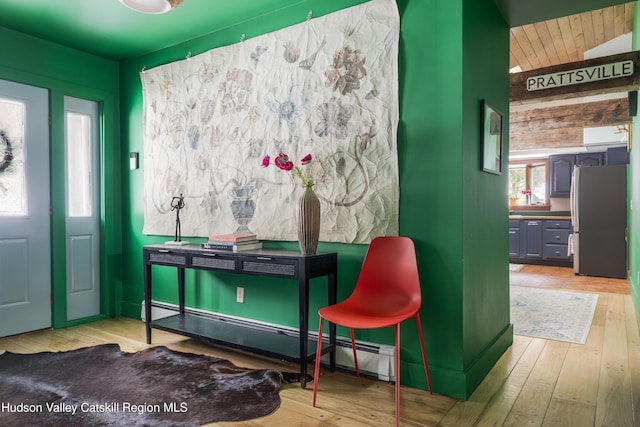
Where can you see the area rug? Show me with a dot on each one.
(103, 386)
(551, 314)
(515, 267)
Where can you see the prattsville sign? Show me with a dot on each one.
(615, 73)
(581, 75)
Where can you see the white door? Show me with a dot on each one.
(82, 153)
(25, 238)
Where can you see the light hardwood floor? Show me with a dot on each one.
(536, 382)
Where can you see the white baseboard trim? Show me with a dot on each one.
(374, 359)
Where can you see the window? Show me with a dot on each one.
(79, 165)
(13, 190)
(528, 186)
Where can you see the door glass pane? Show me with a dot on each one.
(78, 142)
(13, 199)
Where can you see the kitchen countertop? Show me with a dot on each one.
(540, 217)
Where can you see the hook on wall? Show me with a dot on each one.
(310, 15)
(144, 68)
(242, 37)
(188, 56)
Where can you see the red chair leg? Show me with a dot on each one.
(424, 352)
(397, 374)
(355, 356)
(316, 374)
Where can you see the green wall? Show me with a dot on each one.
(485, 305)
(452, 54)
(634, 190)
(65, 71)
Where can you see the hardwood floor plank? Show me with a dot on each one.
(294, 412)
(337, 401)
(531, 405)
(633, 342)
(7, 344)
(512, 366)
(580, 374)
(564, 278)
(569, 414)
(325, 412)
(614, 388)
(498, 408)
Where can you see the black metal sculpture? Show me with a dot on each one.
(177, 203)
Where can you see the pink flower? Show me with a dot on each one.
(306, 159)
(282, 162)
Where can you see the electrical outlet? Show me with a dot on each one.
(240, 295)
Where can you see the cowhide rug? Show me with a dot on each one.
(103, 386)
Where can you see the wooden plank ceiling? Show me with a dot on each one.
(559, 41)
(563, 40)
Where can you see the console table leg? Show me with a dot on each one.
(303, 293)
(333, 299)
(147, 300)
(181, 290)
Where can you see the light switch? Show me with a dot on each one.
(133, 160)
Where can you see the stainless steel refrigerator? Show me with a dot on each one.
(599, 218)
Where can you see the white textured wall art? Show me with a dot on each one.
(327, 86)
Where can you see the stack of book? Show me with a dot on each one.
(233, 242)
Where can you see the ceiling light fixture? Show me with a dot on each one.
(151, 6)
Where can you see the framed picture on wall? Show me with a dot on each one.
(491, 139)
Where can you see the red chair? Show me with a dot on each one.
(386, 293)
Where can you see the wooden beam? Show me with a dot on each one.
(520, 94)
(561, 138)
(561, 127)
(611, 112)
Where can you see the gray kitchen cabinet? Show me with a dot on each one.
(531, 232)
(561, 170)
(555, 238)
(514, 239)
(590, 159)
(617, 156)
(540, 241)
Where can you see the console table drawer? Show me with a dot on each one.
(213, 261)
(167, 257)
(265, 265)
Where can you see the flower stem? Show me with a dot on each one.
(306, 182)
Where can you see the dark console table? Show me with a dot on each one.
(297, 348)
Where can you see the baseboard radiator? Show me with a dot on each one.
(376, 360)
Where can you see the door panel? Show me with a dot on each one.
(25, 242)
(83, 300)
(13, 262)
(83, 213)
